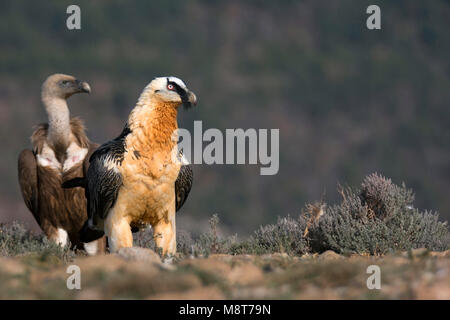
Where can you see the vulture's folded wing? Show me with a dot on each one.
(27, 170)
(103, 178)
(103, 183)
(183, 185)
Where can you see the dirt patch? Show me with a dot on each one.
(139, 274)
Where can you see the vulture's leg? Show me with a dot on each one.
(60, 237)
(92, 248)
(164, 233)
(57, 235)
(118, 231)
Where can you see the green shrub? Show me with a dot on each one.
(375, 219)
(384, 198)
(211, 242)
(286, 236)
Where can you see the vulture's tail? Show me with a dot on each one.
(87, 234)
(75, 182)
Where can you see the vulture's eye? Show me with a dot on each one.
(170, 86)
(65, 82)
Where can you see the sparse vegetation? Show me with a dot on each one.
(204, 245)
(376, 218)
(15, 240)
(286, 236)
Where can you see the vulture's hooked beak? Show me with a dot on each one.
(83, 86)
(191, 101)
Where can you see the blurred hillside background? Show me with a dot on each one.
(348, 101)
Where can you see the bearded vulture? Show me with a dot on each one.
(135, 180)
(60, 152)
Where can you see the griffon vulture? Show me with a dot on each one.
(134, 180)
(60, 152)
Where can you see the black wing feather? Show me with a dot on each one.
(103, 183)
(183, 185)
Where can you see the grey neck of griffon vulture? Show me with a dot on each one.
(58, 120)
(55, 92)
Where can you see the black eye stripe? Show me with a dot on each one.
(178, 89)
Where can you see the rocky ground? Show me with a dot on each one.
(140, 274)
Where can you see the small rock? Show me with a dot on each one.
(441, 254)
(139, 254)
(330, 255)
